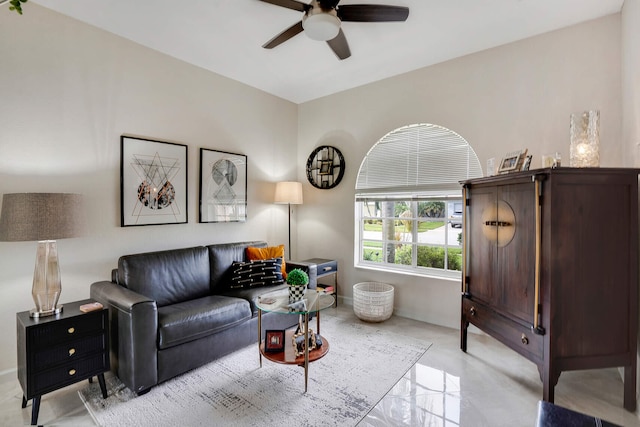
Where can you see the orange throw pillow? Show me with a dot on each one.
(267, 253)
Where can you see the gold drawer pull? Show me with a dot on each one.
(72, 351)
(72, 372)
(71, 330)
(472, 311)
(327, 269)
(524, 339)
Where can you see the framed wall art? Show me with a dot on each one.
(153, 182)
(223, 186)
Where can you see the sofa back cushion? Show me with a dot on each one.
(256, 273)
(269, 252)
(221, 258)
(167, 277)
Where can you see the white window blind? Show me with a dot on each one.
(423, 158)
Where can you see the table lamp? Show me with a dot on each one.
(42, 217)
(288, 193)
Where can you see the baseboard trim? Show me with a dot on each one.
(7, 375)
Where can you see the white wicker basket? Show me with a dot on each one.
(373, 301)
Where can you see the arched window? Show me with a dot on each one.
(409, 201)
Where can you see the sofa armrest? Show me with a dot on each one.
(310, 268)
(133, 324)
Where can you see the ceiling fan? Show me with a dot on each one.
(322, 19)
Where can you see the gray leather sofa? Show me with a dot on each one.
(172, 311)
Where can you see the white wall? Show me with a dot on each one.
(631, 82)
(514, 96)
(67, 93)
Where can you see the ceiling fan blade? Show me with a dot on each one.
(328, 4)
(372, 13)
(290, 4)
(340, 46)
(293, 30)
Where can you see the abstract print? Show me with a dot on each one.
(153, 180)
(155, 191)
(223, 185)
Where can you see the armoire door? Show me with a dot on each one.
(516, 258)
(481, 268)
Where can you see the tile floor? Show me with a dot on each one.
(490, 385)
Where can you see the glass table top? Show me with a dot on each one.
(278, 302)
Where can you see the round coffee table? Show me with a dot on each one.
(278, 302)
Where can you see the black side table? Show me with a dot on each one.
(326, 267)
(60, 350)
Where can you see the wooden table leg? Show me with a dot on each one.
(630, 387)
(464, 326)
(549, 381)
(34, 410)
(103, 385)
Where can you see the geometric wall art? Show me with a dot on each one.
(223, 186)
(153, 182)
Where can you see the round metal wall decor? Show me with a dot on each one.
(325, 167)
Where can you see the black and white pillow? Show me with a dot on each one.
(252, 274)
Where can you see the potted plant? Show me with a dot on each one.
(297, 281)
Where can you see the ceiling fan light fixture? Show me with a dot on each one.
(321, 26)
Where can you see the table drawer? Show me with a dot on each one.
(68, 373)
(67, 330)
(325, 266)
(69, 352)
(511, 333)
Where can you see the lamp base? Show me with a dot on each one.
(34, 312)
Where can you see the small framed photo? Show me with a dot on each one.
(273, 341)
(325, 167)
(527, 163)
(512, 161)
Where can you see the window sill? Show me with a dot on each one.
(453, 276)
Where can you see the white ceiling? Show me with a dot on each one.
(225, 36)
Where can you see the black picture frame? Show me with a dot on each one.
(223, 186)
(153, 182)
(273, 340)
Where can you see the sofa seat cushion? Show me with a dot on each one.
(251, 295)
(190, 320)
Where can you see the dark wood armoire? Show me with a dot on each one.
(551, 268)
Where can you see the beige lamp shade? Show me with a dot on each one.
(288, 192)
(44, 217)
(41, 216)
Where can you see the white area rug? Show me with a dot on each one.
(362, 365)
